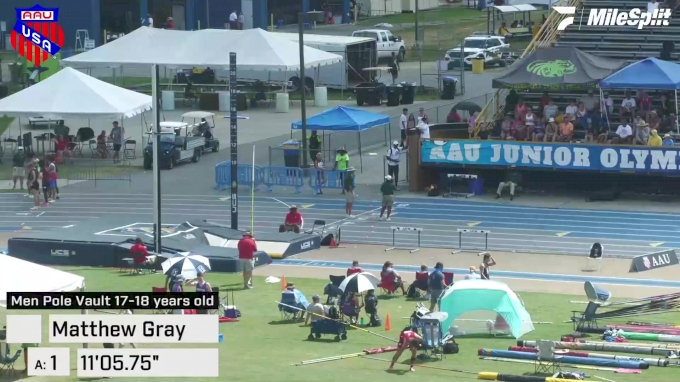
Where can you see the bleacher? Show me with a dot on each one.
(624, 43)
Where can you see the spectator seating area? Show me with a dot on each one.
(625, 43)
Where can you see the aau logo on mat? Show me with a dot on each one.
(654, 261)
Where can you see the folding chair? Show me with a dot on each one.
(387, 285)
(318, 224)
(160, 290)
(287, 312)
(422, 280)
(332, 290)
(93, 148)
(127, 264)
(586, 320)
(546, 360)
(448, 278)
(7, 362)
(130, 149)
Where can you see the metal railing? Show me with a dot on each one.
(96, 170)
(546, 36)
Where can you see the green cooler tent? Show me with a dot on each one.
(489, 297)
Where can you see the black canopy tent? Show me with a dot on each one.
(557, 68)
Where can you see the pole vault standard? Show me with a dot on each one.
(344, 323)
(155, 78)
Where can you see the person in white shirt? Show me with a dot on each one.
(624, 133)
(241, 20)
(473, 275)
(571, 109)
(403, 123)
(148, 22)
(424, 129)
(628, 107)
(393, 156)
(233, 20)
(608, 104)
(315, 311)
(651, 6)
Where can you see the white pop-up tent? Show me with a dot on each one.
(70, 93)
(256, 49)
(18, 275)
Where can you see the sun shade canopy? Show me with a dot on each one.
(650, 73)
(70, 93)
(342, 118)
(255, 49)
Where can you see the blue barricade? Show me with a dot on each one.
(284, 176)
(320, 179)
(244, 174)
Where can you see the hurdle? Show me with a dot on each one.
(462, 231)
(394, 233)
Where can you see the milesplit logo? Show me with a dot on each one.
(612, 17)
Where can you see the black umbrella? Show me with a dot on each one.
(468, 106)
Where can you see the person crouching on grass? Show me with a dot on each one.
(408, 339)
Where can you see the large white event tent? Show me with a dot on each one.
(70, 93)
(256, 49)
(18, 275)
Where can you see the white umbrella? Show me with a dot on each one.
(186, 264)
(359, 282)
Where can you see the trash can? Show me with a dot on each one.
(408, 93)
(393, 95)
(449, 87)
(291, 153)
(477, 65)
(370, 93)
(476, 186)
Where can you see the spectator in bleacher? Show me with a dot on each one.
(520, 109)
(551, 130)
(665, 106)
(642, 133)
(592, 105)
(453, 116)
(507, 132)
(566, 130)
(550, 110)
(652, 5)
(624, 133)
(607, 104)
(529, 118)
(600, 131)
(511, 101)
(421, 115)
(655, 139)
(503, 30)
(472, 122)
(539, 130)
(628, 106)
(521, 131)
(645, 105)
(581, 115)
(667, 141)
(545, 100)
(654, 120)
(571, 109)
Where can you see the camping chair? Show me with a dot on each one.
(448, 278)
(318, 224)
(288, 313)
(332, 290)
(587, 319)
(387, 285)
(7, 362)
(349, 311)
(160, 290)
(546, 360)
(93, 148)
(422, 281)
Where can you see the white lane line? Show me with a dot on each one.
(279, 201)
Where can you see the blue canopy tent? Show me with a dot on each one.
(650, 73)
(341, 118)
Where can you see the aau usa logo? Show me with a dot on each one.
(37, 35)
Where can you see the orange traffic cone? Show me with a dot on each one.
(332, 242)
(388, 325)
(283, 283)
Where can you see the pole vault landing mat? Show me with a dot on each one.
(106, 244)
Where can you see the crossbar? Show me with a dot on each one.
(462, 231)
(404, 229)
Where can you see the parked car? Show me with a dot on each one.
(493, 49)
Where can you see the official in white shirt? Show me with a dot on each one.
(651, 6)
(424, 129)
(624, 133)
(233, 20)
(403, 122)
(393, 157)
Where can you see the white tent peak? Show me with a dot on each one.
(72, 93)
(255, 49)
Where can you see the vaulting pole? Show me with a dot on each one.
(156, 159)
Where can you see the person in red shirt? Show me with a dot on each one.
(408, 339)
(61, 144)
(354, 269)
(139, 252)
(246, 254)
(293, 221)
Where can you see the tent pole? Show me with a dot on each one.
(361, 160)
(156, 160)
(676, 112)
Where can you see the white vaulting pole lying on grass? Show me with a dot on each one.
(328, 359)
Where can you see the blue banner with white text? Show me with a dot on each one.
(544, 155)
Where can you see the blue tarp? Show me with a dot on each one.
(650, 73)
(342, 118)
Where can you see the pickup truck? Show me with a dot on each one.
(386, 43)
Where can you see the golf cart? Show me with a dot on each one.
(177, 145)
(211, 143)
